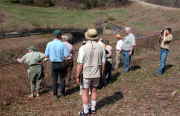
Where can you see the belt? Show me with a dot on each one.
(34, 65)
(126, 50)
(57, 62)
(164, 48)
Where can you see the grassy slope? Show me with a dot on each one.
(142, 18)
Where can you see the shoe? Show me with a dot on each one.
(83, 114)
(156, 74)
(61, 95)
(93, 111)
(31, 95)
(56, 98)
(37, 95)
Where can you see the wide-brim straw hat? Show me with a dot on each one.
(91, 34)
(118, 36)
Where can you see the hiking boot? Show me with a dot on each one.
(92, 111)
(83, 114)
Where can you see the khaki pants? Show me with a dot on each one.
(35, 77)
(118, 60)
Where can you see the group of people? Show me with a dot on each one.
(94, 62)
(60, 53)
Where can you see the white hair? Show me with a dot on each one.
(127, 29)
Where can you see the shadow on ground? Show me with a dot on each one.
(72, 90)
(109, 100)
(169, 66)
(135, 67)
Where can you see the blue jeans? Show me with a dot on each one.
(126, 60)
(163, 59)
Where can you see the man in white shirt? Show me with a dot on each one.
(91, 58)
(128, 45)
(118, 50)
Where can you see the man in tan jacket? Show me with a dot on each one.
(33, 59)
(165, 40)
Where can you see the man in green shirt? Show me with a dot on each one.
(33, 59)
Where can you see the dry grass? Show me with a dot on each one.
(137, 93)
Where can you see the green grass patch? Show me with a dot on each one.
(20, 16)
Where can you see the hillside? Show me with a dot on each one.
(145, 19)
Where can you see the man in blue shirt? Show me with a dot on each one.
(57, 52)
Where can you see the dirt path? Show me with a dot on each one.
(155, 5)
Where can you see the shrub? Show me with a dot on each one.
(89, 3)
(45, 3)
(86, 4)
(22, 1)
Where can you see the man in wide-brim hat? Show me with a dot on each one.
(91, 34)
(91, 58)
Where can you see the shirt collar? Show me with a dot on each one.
(55, 39)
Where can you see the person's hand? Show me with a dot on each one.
(45, 59)
(130, 53)
(18, 60)
(77, 80)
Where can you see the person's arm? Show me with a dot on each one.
(79, 69)
(168, 38)
(119, 46)
(66, 52)
(103, 62)
(80, 61)
(133, 45)
(47, 51)
(43, 57)
(22, 59)
(73, 52)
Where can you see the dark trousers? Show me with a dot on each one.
(108, 71)
(68, 72)
(58, 74)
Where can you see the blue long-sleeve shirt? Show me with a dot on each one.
(56, 51)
